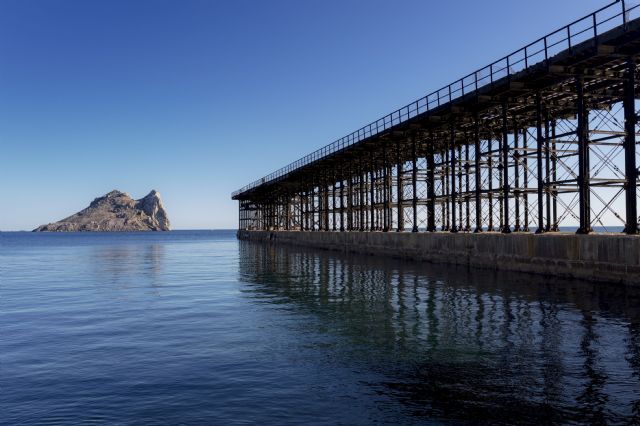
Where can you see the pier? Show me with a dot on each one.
(543, 139)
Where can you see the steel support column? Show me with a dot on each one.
(385, 190)
(287, 206)
(547, 162)
(342, 228)
(350, 201)
(372, 195)
(539, 143)
(525, 164)
(584, 205)
(431, 193)
(516, 161)
(414, 183)
(506, 227)
(478, 189)
(301, 211)
(467, 184)
(452, 150)
(361, 190)
(554, 176)
(333, 205)
(631, 170)
(399, 189)
(490, 189)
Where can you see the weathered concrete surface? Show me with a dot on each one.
(596, 257)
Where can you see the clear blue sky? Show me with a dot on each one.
(196, 98)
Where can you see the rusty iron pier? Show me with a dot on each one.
(543, 138)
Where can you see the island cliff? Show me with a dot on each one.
(116, 211)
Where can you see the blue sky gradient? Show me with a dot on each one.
(198, 98)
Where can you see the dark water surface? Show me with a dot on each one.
(198, 328)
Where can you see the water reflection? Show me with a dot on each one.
(122, 265)
(465, 344)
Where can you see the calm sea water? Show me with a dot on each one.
(198, 328)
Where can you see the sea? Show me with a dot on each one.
(198, 328)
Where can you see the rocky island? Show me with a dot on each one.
(116, 211)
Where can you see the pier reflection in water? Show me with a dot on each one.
(461, 343)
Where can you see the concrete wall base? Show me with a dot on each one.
(610, 258)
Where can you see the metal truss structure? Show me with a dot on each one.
(542, 138)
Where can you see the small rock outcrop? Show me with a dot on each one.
(116, 211)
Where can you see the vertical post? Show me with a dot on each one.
(506, 226)
(333, 205)
(326, 205)
(478, 189)
(317, 207)
(500, 185)
(301, 211)
(583, 162)
(431, 191)
(377, 197)
(310, 208)
(516, 190)
(264, 214)
(452, 149)
(320, 205)
(547, 150)
(631, 170)
(399, 189)
(490, 191)
(300, 204)
(467, 184)
(287, 205)
(350, 201)
(554, 177)
(314, 207)
(539, 142)
(445, 184)
(385, 192)
(414, 183)
(459, 175)
(307, 211)
(342, 228)
(525, 163)
(389, 186)
(273, 214)
(372, 194)
(361, 191)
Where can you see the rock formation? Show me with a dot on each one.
(116, 211)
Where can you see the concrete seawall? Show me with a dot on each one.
(597, 257)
